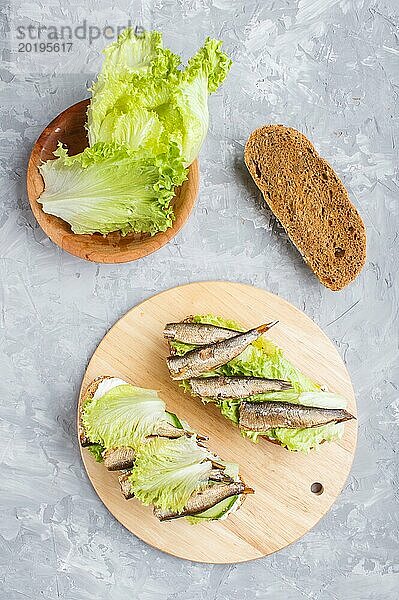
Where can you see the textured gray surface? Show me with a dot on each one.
(327, 67)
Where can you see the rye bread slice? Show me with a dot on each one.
(310, 201)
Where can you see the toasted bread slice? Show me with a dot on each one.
(310, 201)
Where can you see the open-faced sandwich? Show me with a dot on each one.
(252, 383)
(163, 462)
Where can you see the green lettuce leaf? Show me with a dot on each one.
(124, 416)
(263, 358)
(132, 52)
(125, 94)
(97, 451)
(302, 440)
(137, 74)
(168, 471)
(107, 188)
(127, 55)
(138, 129)
(218, 321)
(203, 75)
(181, 348)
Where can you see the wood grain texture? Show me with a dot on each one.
(69, 128)
(283, 507)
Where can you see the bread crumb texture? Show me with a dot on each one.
(310, 201)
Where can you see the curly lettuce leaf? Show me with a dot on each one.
(181, 348)
(263, 358)
(97, 451)
(107, 188)
(138, 129)
(142, 56)
(132, 52)
(302, 440)
(138, 73)
(205, 72)
(125, 94)
(168, 471)
(124, 416)
(218, 321)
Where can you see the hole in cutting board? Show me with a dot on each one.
(317, 488)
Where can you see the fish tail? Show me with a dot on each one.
(248, 490)
(266, 327)
(348, 416)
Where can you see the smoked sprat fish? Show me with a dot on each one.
(118, 459)
(251, 384)
(166, 429)
(261, 416)
(235, 387)
(206, 358)
(197, 334)
(205, 499)
(219, 475)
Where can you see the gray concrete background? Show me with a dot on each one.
(326, 67)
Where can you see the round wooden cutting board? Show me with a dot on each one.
(283, 507)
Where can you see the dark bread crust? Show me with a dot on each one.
(310, 201)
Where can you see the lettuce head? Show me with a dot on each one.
(146, 122)
(138, 75)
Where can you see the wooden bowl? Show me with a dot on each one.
(69, 128)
